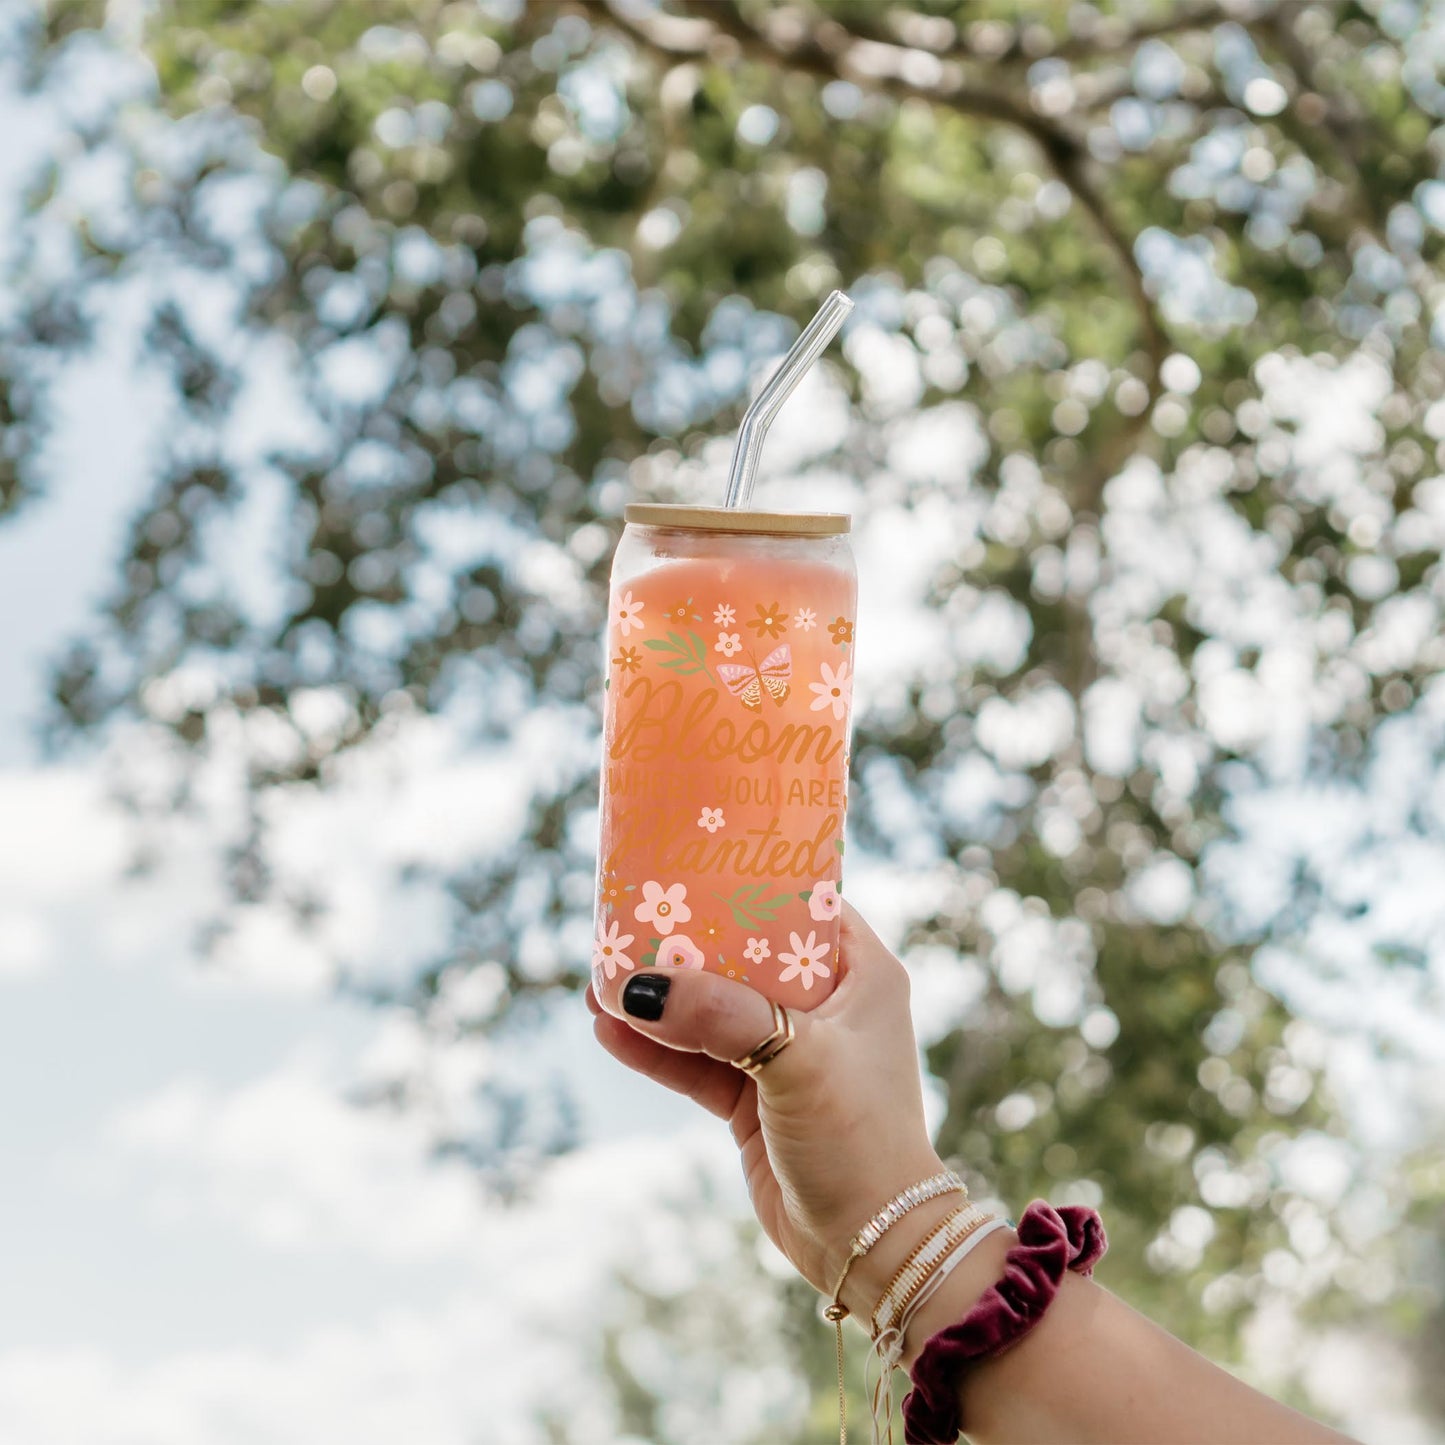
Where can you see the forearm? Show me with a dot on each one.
(1095, 1372)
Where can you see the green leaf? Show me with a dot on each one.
(687, 655)
(749, 908)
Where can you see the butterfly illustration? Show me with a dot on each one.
(746, 681)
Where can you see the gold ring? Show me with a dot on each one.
(772, 1046)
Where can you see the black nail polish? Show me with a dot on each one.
(644, 996)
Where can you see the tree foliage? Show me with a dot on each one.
(1114, 254)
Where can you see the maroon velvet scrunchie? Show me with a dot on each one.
(1050, 1241)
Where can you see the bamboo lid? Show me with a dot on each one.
(739, 519)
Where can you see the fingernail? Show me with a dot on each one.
(644, 996)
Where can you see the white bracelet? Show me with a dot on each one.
(953, 1231)
(942, 1273)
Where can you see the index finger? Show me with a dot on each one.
(716, 1086)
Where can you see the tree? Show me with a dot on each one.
(1109, 258)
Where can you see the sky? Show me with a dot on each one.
(203, 1236)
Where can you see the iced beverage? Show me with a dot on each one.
(726, 742)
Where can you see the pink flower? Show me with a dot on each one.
(663, 907)
(712, 819)
(823, 901)
(724, 615)
(835, 690)
(806, 960)
(728, 643)
(757, 950)
(607, 953)
(806, 620)
(679, 952)
(627, 614)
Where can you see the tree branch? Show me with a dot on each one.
(1110, 37)
(676, 36)
(938, 36)
(828, 51)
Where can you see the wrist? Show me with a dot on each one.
(871, 1274)
(958, 1294)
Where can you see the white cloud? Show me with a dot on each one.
(294, 1163)
(56, 836)
(58, 844)
(455, 1376)
(417, 795)
(25, 944)
(513, 1346)
(289, 1161)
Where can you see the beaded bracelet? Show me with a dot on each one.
(916, 1268)
(934, 1282)
(1050, 1242)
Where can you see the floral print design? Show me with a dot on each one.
(679, 952)
(769, 621)
(823, 902)
(628, 615)
(805, 961)
(607, 953)
(835, 691)
(664, 908)
(675, 934)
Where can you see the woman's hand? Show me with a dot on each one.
(830, 1130)
(833, 1128)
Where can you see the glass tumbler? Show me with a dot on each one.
(726, 743)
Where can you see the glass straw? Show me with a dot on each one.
(759, 416)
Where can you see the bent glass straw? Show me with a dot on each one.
(759, 416)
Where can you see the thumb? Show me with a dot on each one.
(700, 1013)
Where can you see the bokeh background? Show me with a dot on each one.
(334, 337)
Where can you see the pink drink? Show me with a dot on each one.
(726, 743)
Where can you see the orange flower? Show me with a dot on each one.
(681, 612)
(841, 631)
(769, 621)
(709, 933)
(611, 891)
(627, 660)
